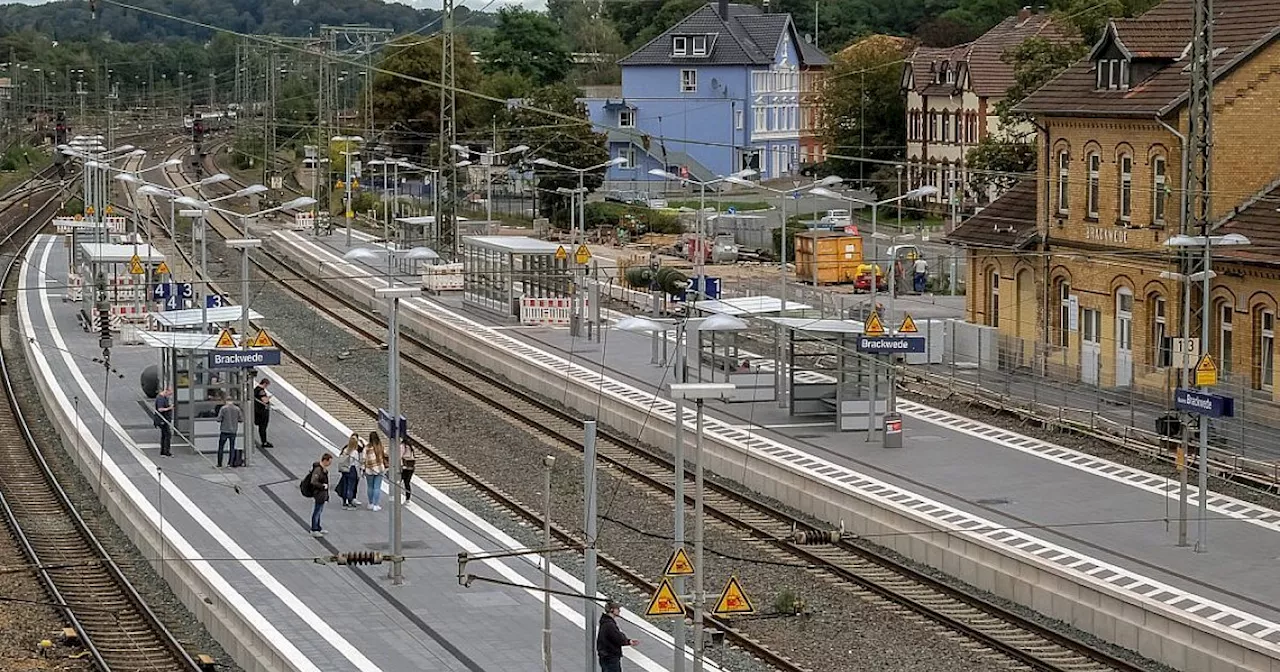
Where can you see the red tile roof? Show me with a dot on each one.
(989, 76)
(1240, 28)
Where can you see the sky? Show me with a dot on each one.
(426, 4)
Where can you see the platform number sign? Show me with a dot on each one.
(173, 302)
(186, 291)
(214, 301)
(161, 291)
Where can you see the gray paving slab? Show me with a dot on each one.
(251, 524)
(1083, 511)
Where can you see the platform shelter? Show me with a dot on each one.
(720, 349)
(501, 271)
(825, 375)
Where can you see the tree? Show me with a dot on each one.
(554, 138)
(1034, 62)
(862, 106)
(411, 107)
(997, 163)
(945, 32)
(530, 44)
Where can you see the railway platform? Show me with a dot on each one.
(235, 543)
(1099, 537)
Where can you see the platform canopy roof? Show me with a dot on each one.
(749, 305)
(512, 244)
(110, 253)
(195, 317)
(181, 340)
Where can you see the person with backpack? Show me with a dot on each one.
(408, 461)
(349, 460)
(316, 486)
(375, 465)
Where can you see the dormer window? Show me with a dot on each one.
(691, 45)
(1112, 74)
(679, 46)
(698, 43)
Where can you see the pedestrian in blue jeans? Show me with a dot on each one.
(228, 427)
(375, 465)
(319, 491)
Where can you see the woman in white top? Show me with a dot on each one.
(349, 460)
(375, 465)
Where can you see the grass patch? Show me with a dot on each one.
(740, 206)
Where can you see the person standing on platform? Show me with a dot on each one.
(164, 419)
(408, 461)
(228, 426)
(921, 275)
(262, 411)
(349, 466)
(610, 640)
(375, 465)
(319, 491)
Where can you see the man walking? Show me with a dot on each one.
(319, 480)
(610, 640)
(921, 275)
(262, 410)
(164, 419)
(228, 427)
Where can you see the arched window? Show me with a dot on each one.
(1094, 162)
(993, 298)
(1126, 187)
(1264, 357)
(1159, 189)
(1064, 312)
(1064, 181)
(946, 126)
(1161, 346)
(1226, 334)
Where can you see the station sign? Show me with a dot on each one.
(243, 359)
(384, 423)
(1204, 403)
(888, 345)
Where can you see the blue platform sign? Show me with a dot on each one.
(384, 423)
(243, 359)
(713, 290)
(885, 345)
(1204, 403)
(161, 291)
(213, 301)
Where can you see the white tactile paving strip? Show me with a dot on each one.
(1154, 593)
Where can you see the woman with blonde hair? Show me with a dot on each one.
(375, 465)
(349, 463)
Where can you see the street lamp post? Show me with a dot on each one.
(346, 141)
(1208, 243)
(920, 192)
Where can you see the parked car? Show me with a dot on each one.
(836, 218)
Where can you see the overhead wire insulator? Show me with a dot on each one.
(359, 558)
(813, 537)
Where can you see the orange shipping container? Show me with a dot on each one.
(827, 257)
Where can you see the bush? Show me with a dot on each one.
(634, 218)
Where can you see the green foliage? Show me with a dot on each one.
(1035, 62)
(246, 150)
(529, 44)
(1006, 158)
(863, 106)
(634, 218)
(564, 142)
(413, 108)
(740, 206)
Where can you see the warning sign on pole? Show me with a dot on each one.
(262, 340)
(561, 253)
(1206, 372)
(733, 600)
(908, 326)
(582, 255)
(135, 266)
(163, 268)
(665, 602)
(679, 564)
(226, 340)
(874, 326)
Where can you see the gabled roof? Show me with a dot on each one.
(1240, 28)
(989, 76)
(1259, 221)
(1009, 222)
(747, 37)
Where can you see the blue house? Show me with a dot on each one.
(722, 90)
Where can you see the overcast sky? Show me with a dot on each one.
(431, 4)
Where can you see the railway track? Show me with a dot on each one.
(866, 571)
(113, 623)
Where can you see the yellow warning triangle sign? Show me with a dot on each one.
(1206, 372)
(874, 326)
(135, 266)
(679, 564)
(665, 602)
(582, 255)
(226, 340)
(561, 253)
(262, 340)
(163, 268)
(733, 600)
(908, 326)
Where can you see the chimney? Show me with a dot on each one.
(1024, 13)
(724, 10)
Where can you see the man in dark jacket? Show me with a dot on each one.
(319, 491)
(262, 411)
(610, 640)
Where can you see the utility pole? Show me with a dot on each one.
(446, 222)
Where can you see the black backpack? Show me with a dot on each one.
(308, 490)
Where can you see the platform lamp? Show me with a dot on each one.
(347, 153)
(371, 254)
(1208, 243)
(920, 192)
(698, 393)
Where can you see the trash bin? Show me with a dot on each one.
(892, 430)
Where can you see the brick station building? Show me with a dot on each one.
(1071, 267)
